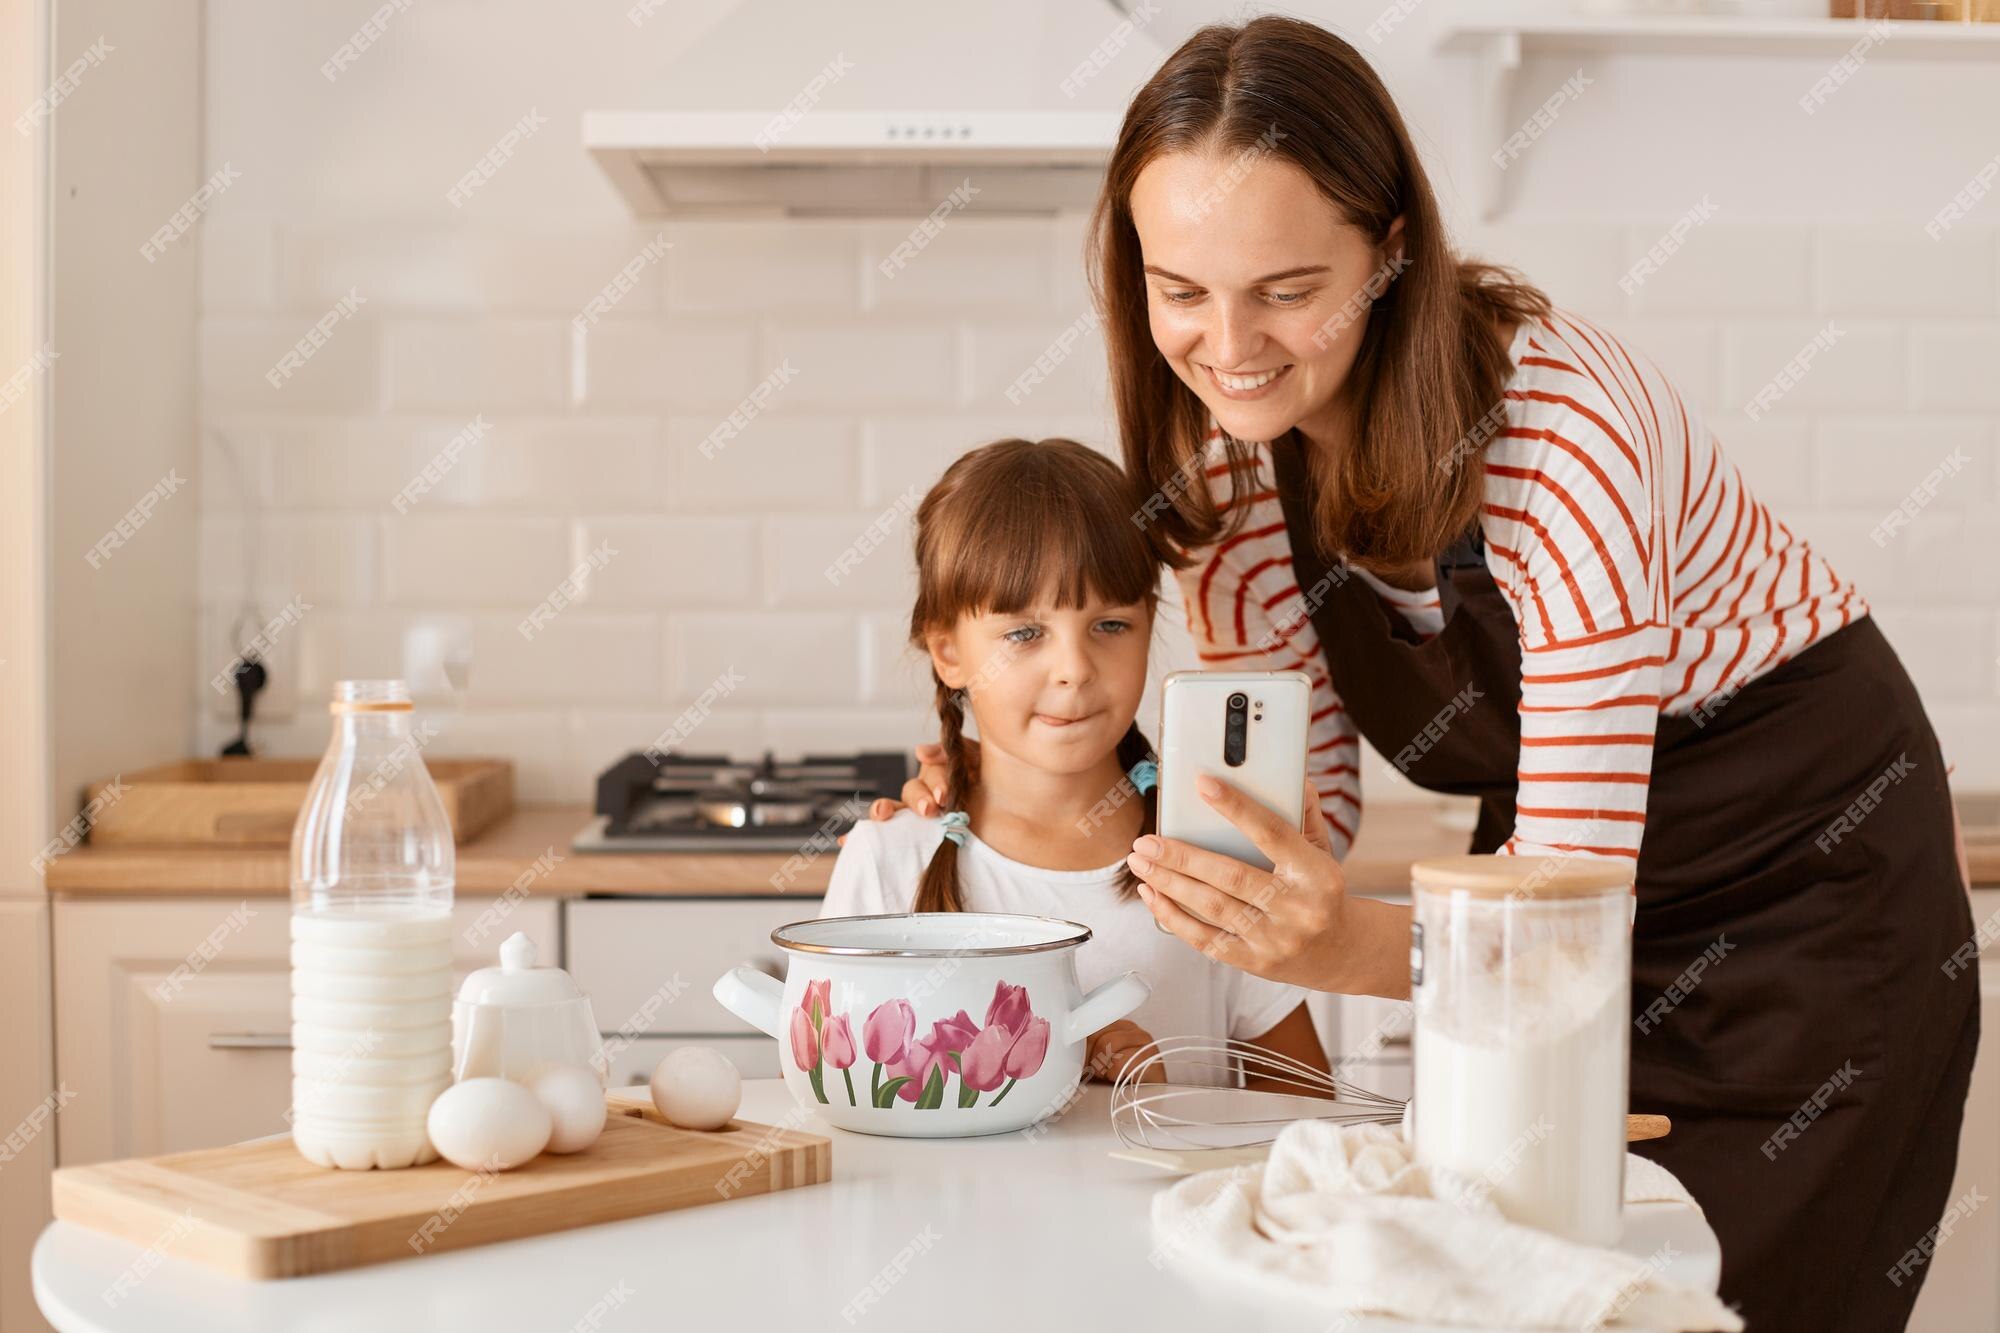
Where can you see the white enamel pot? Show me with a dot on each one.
(932, 1024)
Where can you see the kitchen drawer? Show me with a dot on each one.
(632, 1062)
(649, 965)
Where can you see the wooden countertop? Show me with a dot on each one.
(1392, 836)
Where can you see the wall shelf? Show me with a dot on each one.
(1500, 42)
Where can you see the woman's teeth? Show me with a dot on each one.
(1245, 383)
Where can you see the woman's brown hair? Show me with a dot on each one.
(1428, 377)
(1008, 524)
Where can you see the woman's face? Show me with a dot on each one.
(1257, 291)
(1053, 687)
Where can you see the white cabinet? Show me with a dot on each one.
(650, 965)
(633, 1059)
(173, 1018)
(1367, 1040)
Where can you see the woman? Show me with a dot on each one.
(1512, 558)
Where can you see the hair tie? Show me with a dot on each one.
(1145, 775)
(957, 826)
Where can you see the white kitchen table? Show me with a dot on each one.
(1014, 1231)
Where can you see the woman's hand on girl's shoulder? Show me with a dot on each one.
(923, 793)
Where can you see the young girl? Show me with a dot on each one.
(1037, 579)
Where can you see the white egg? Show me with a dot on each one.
(696, 1087)
(485, 1123)
(575, 1103)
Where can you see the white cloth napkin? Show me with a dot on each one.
(1342, 1214)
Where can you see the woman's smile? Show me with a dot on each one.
(1247, 384)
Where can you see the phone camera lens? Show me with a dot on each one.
(1238, 700)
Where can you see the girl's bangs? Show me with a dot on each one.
(1062, 544)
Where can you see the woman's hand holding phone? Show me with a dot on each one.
(1293, 922)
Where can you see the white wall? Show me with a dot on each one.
(126, 149)
(343, 187)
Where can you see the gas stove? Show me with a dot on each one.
(706, 803)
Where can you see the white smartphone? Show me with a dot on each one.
(1246, 728)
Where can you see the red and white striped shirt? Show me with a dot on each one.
(1644, 575)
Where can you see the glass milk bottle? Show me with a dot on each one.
(1521, 979)
(372, 867)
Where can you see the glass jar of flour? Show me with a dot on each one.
(1521, 979)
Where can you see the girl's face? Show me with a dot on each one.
(1257, 292)
(1055, 688)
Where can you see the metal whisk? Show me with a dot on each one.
(1184, 1117)
(1191, 1126)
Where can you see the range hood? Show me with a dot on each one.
(884, 109)
(851, 162)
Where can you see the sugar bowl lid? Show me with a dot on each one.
(517, 980)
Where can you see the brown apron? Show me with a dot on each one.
(1824, 984)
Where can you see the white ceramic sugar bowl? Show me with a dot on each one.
(515, 1020)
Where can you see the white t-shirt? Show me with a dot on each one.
(882, 863)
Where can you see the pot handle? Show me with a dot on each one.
(753, 996)
(1108, 1003)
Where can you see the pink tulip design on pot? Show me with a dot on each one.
(809, 1039)
(837, 1045)
(1009, 1047)
(805, 1046)
(983, 1063)
(886, 1036)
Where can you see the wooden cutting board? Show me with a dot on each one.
(253, 802)
(259, 1210)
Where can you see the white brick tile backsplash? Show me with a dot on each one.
(1949, 653)
(1686, 351)
(430, 650)
(1879, 461)
(1901, 271)
(1863, 367)
(729, 267)
(967, 262)
(235, 469)
(898, 672)
(858, 559)
(581, 653)
(1955, 364)
(1577, 264)
(1774, 455)
(700, 561)
(1948, 557)
(1846, 541)
(1068, 235)
(781, 656)
(477, 365)
(600, 737)
(417, 267)
(899, 452)
(773, 463)
(517, 463)
(1969, 735)
(595, 437)
(1064, 364)
(688, 361)
(474, 560)
(537, 740)
(865, 363)
(327, 561)
(343, 374)
(1724, 269)
(833, 731)
(239, 266)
